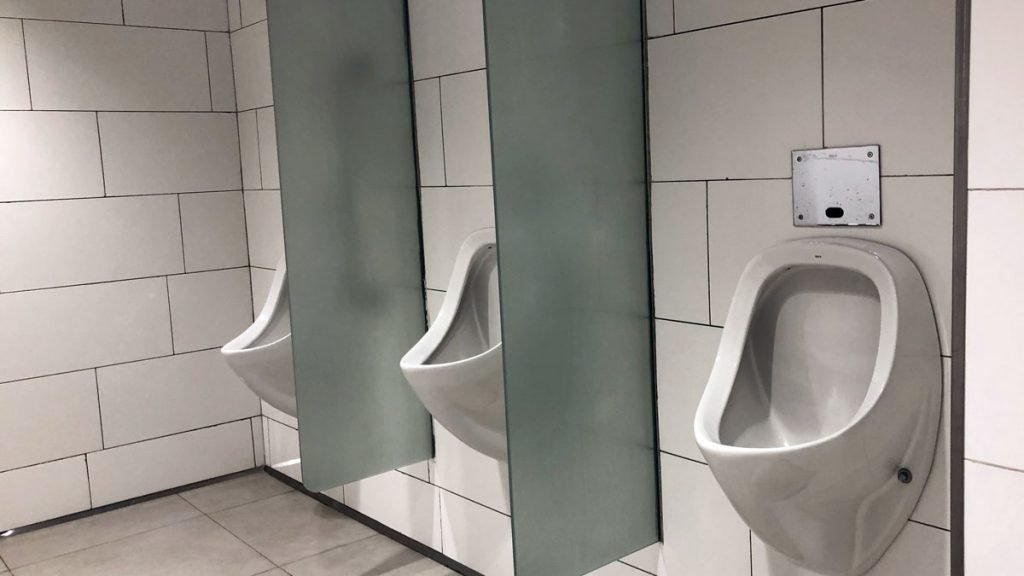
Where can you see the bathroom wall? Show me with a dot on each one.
(994, 443)
(123, 255)
(733, 89)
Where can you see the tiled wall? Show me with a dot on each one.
(994, 443)
(734, 88)
(123, 256)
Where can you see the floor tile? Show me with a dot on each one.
(235, 492)
(196, 547)
(290, 527)
(378, 555)
(91, 531)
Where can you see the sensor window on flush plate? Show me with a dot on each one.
(837, 187)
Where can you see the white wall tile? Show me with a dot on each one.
(45, 155)
(13, 74)
(266, 233)
(460, 469)
(147, 153)
(993, 518)
(889, 80)
(447, 36)
(258, 451)
(251, 49)
(933, 507)
(48, 418)
(190, 14)
(234, 15)
(261, 280)
(467, 129)
(146, 467)
(143, 400)
(249, 144)
(405, 504)
(702, 532)
(222, 76)
(917, 218)
(733, 102)
(84, 241)
(283, 449)
(686, 354)
(449, 215)
(209, 308)
(694, 14)
(476, 536)
(680, 247)
(99, 11)
(213, 228)
(917, 550)
(430, 144)
(268, 147)
(997, 82)
(85, 67)
(253, 11)
(995, 321)
(660, 18)
(434, 300)
(37, 493)
(65, 329)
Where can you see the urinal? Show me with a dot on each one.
(262, 355)
(456, 368)
(821, 414)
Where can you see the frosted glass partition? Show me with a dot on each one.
(348, 186)
(567, 126)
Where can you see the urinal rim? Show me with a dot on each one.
(242, 344)
(876, 262)
(417, 356)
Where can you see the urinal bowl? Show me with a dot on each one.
(456, 368)
(825, 393)
(262, 355)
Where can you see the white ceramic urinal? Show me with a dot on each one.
(262, 355)
(820, 417)
(456, 368)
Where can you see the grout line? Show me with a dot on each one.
(259, 151)
(750, 550)
(707, 240)
(181, 236)
(673, 16)
(249, 25)
(681, 457)
(440, 113)
(116, 281)
(993, 465)
(688, 323)
(620, 561)
(332, 548)
(170, 313)
(449, 74)
(103, 166)
(88, 479)
(99, 407)
(252, 440)
(108, 366)
(122, 25)
(29, 201)
(759, 18)
(928, 525)
(821, 31)
(123, 21)
(209, 79)
(28, 75)
(85, 110)
(233, 535)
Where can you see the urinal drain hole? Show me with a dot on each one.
(905, 476)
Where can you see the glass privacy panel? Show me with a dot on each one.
(567, 111)
(348, 187)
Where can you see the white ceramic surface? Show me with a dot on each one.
(262, 355)
(827, 382)
(456, 368)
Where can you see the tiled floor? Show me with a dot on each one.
(246, 526)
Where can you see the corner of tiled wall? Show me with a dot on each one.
(120, 173)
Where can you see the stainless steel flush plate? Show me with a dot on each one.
(837, 187)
